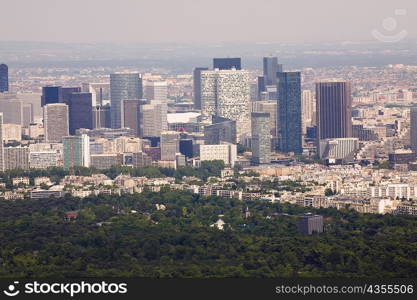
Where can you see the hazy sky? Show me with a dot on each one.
(203, 20)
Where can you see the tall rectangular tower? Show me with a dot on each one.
(226, 93)
(123, 86)
(4, 78)
(197, 86)
(334, 110)
(131, 112)
(80, 111)
(261, 138)
(289, 111)
(413, 129)
(55, 122)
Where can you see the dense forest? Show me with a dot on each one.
(128, 236)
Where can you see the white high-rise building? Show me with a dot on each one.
(307, 109)
(226, 93)
(55, 122)
(100, 92)
(156, 90)
(153, 118)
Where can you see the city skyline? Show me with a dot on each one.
(188, 139)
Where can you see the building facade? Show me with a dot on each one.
(289, 112)
(226, 93)
(55, 122)
(334, 110)
(80, 111)
(197, 86)
(123, 86)
(76, 151)
(227, 63)
(261, 138)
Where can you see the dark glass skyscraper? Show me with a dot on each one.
(334, 110)
(227, 63)
(4, 78)
(289, 111)
(66, 93)
(51, 94)
(197, 86)
(57, 94)
(80, 111)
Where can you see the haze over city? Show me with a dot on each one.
(200, 20)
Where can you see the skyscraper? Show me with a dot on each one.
(153, 119)
(270, 107)
(55, 122)
(289, 111)
(156, 90)
(1, 144)
(307, 109)
(270, 68)
(261, 138)
(76, 151)
(80, 111)
(100, 92)
(413, 129)
(131, 112)
(51, 94)
(123, 86)
(170, 145)
(222, 130)
(226, 93)
(101, 116)
(334, 110)
(28, 114)
(197, 87)
(267, 82)
(12, 109)
(66, 93)
(227, 63)
(4, 78)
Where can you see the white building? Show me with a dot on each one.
(154, 118)
(55, 120)
(42, 160)
(226, 93)
(156, 90)
(340, 148)
(224, 152)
